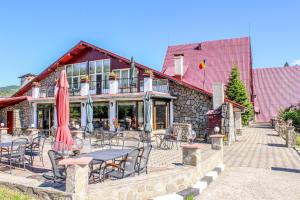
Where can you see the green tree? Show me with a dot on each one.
(237, 91)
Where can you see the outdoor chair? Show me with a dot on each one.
(60, 147)
(99, 137)
(130, 143)
(16, 153)
(145, 137)
(172, 137)
(58, 173)
(125, 168)
(142, 160)
(96, 170)
(36, 148)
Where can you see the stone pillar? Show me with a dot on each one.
(171, 113)
(231, 135)
(148, 79)
(217, 141)
(237, 121)
(36, 91)
(191, 155)
(77, 176)
(55, 116)
(84, 88)
(218, 95)
(291, 136)
(34, 114)
(112, 114)
(113, 84)
(83, 114)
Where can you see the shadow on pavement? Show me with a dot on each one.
(276, 145)
(285, 169)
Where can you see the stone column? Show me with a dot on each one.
(171, 113)
(77, 176)
(231, 136)
(191, 155)
(217, 142)
(35, 91)
(83, 114)
(113, 84)
(55, 116)
(34, 114)
(112, 114)
(84, 88)
(148, 79)
(291, 136)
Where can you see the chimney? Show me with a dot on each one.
(218, 95)
(178, 66)
(26, 79)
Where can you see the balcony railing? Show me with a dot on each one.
(160, 85)
(125, 85)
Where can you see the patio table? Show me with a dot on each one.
(107, 154)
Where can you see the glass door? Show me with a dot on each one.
(45, 113)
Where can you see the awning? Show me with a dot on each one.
(10, 101)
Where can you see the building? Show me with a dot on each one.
(117, 98)
(275, 88)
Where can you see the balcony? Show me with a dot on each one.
(124, 85)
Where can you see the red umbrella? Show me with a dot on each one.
(62, 107)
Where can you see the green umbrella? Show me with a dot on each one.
(132, 68)
(147, 127)
(89, 116)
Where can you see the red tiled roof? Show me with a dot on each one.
(220, 56)
(9, 101)
(82, 45)
(275, 88)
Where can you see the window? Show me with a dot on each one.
(75, 72)
(75, 114)
(102, 68)
(100, 115)
(124, 75)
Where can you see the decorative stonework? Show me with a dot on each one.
(227, 122)
(190, 107)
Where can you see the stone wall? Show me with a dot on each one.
(191, 107)
(22, 115)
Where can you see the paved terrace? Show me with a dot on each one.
(259, 166)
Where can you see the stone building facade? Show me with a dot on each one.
(190, 106)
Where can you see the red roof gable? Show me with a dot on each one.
(220, 56)
(10, 101)
(81, 46)
(275, 88)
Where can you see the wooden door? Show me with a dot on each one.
(10, 121)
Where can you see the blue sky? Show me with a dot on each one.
(33, 34)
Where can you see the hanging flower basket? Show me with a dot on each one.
(85, 79)
(36, 84)
(148, 73)
(113, 76)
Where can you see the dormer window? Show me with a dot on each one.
(178, 64)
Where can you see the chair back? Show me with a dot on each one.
(144, 157)
(130, 142)
(57, 170)
(144, 137)
(131, 160)
(60, 147)
(38, 143)
(18, 146)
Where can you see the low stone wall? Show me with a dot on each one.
(156, 183)
(287, 132)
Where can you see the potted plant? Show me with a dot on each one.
(113, 76)
(85, 79)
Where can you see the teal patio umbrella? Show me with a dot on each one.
(148, 114)
(132, 68)
(89, 116)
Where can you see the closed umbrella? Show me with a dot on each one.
(132, 68)
(89, 116)
(147, 127)
(63, 134)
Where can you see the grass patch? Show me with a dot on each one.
(298, 141)
(10, 194)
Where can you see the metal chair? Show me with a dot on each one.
(36, 148)
(58, 173)
(145, 137)
(16, 153)
(130, 142)
(125, 168)
(143, 158)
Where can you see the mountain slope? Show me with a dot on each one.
(8, 90)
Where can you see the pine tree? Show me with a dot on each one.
(237, 91)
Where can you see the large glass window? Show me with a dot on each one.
(75, 114)
(99, 72)
(45, 113)
(131, 115)
(75, 72)
(124, 75)
(100, 115)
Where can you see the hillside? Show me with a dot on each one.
(8, 90)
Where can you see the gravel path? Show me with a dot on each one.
(259, 166)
